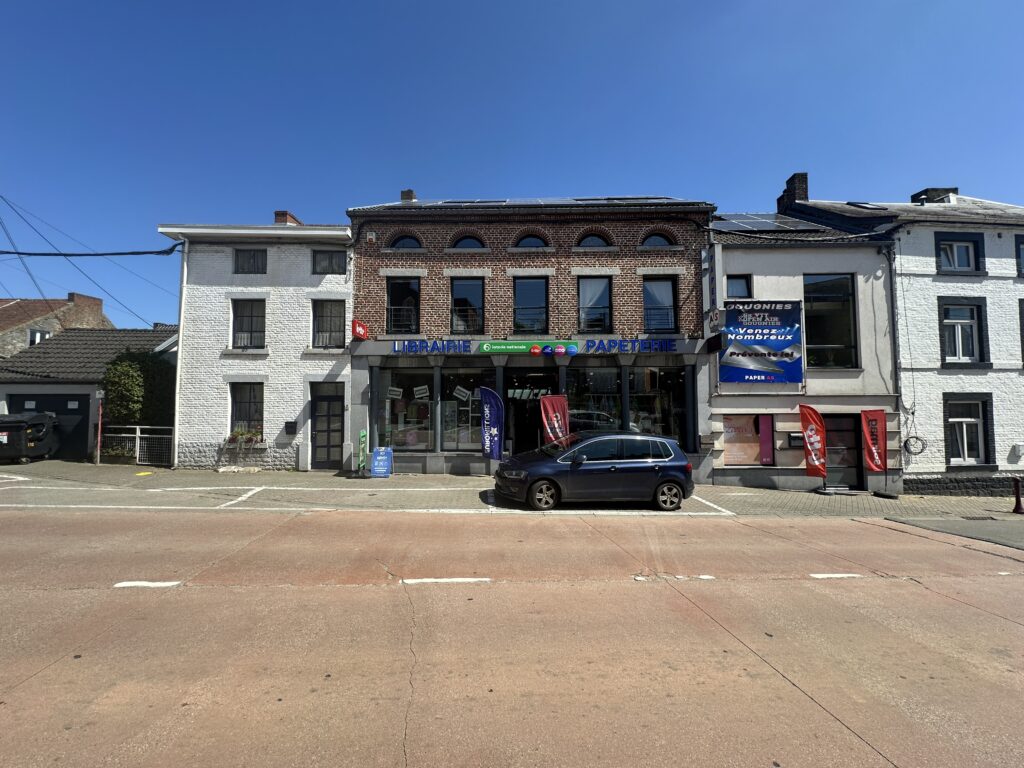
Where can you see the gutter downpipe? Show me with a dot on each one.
(890, 254)
(181, 352)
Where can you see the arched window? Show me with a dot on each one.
(532, 241)
(468, 242)
(593, 241)
(406, 241)
(657, 240)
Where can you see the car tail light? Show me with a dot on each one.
(689, 468)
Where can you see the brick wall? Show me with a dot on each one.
(77, 311)
(499, 236)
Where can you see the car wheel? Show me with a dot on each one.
(668, 497)
(543, 495)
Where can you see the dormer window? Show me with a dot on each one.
(469, 242)
(406, 242)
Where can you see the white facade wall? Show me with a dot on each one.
(923, 379)
(777, 275)
(287, 366)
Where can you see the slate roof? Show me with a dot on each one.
(882, 217)
(510, 204)
(79, 355)
(15, 312)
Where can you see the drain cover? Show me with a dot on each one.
(976, 517)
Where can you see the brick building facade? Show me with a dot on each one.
(26, 322)
(594, 267)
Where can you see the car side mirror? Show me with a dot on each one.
(579, 458)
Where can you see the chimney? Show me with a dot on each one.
(795, 192)
(934, 195)
(83, 300)
(408, 196)
(287, 217)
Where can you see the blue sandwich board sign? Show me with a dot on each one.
(382, 462)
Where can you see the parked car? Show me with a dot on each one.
(599, 466)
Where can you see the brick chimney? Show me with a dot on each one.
(82, 300)
(795, 192)
(287, 217)
(408, 196)
(934, 195)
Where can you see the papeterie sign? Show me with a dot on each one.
(762, 343)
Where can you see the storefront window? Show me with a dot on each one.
(406, 421)
(460, 407)
(656, 401)
(595, 398)
(749, 440)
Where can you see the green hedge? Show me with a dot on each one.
(139, 389)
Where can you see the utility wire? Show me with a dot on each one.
(164, 252)
(57, 229)
(78, 268)
(24, 265)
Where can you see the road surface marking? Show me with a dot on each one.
(837, 575)
(705, 577)
(1004, 573)
(452, 580)
(11, 478)
(152, 584)
(722, 510)
(243, 497)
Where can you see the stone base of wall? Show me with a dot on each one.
(961, 484)
(214, 455)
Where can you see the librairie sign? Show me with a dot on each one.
(540, 348)
(761, 343)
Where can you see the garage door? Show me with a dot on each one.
(72, 413)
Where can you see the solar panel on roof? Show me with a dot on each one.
(763, 222)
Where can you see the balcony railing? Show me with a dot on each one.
(595, 319)
(403, 320)
(530, 320)
(248, 339)
(467, 320)
(328, 339)
(660, 319)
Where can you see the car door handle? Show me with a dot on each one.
(657, 467)
(612, 469)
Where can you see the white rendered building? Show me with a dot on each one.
(263, 361)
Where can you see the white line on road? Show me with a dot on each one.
(12, 478)
(151, 584)
(706, 577)
(723, 510)
(837, 575)
(453, 580)
(243, 497)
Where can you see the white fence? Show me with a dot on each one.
(148, 445)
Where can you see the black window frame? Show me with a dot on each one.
(42, 334)
(516, 308)
(543, 241)
(250, 261)
(342, 261)
(854, 346)
(251, 402)
(483, 301)
(669, 242)
(480, 244)
(671, 279)
(390, 310)
(243, 321)
(334, 335)
(609, 324)
(977, 239)
(980, 305)
(748, 280)
(988, 435)
(604, 241)
(397, 243)
(1018, 253)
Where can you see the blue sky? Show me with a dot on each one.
(121, 115)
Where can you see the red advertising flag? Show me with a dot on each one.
(554, 410)
(360, 331)
(873, 426)
(813, 428)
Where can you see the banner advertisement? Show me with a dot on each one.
(492, 423)
(761, 343)
(873, 426)
(813, 428)
(554, 411)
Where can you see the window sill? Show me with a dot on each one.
(262, 445)
(833, 369)
(239, 352)
(966, 366)
(953, 468)
(596, 249)
(962, 272)
(413, 251)
(325, 351)
(661, 331)
(538, 249)
(655, 248)
(468, 251)
(392, 336)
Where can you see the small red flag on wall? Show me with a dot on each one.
(360, 331)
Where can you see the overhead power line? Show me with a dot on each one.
(72, 263)
(24, 265)
(164, 252)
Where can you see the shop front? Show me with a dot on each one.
(423, 396)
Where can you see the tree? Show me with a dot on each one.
(139, 388)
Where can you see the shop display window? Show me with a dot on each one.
(460, 407)
(406, 420)
(656, 401)
(595, 398)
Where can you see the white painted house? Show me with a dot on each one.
(959, 305)
(263, 362)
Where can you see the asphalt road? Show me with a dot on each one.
(289, 637)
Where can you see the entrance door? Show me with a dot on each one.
(72, 412)
(842, 451)
(523, 390)
(327, 406)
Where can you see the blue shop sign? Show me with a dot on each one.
(612, 346)
(424, 347)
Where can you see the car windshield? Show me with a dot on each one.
(562, 444)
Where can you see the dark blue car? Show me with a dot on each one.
(599, 466)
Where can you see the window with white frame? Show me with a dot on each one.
(960, 334)
(966, 432)
(957, 256)
(35, 335)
